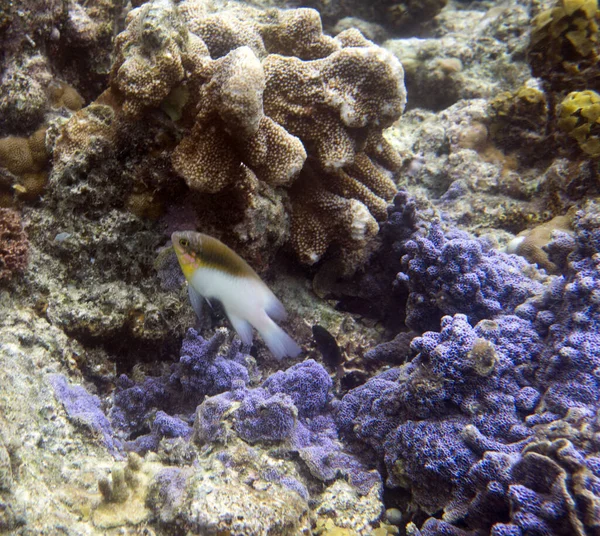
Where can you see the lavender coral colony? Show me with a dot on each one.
(438, 255)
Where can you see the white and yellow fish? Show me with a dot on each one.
(215, 271)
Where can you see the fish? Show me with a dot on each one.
(328, 346)
(215, 271)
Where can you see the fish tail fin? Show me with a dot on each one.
(278, 341)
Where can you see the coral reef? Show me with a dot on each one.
(201, 371)
(487, 406)
(447, 386)
(464, 56)
(578, 115)
(532, 243)
(563, 52)
(307, 110)
(84, 410)
(448, 273)
(25, 163)
(521, 121)
(290, 407)
(49, 51)
(423, 272)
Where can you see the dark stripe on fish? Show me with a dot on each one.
(214, 254)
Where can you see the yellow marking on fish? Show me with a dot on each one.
(203, 251)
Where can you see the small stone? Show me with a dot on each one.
(394, 516)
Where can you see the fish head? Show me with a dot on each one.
(188, 247)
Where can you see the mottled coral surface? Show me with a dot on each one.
(251, 104)
(495, 399)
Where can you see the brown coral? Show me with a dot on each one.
(531, 242)
(63, 95)
(551, 468)
(520, 121)
(13, 244)
(321, 218)
(260, 98)
(26, 160)
(15, 154)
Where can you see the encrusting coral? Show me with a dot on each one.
(247, 429)
(262, 100)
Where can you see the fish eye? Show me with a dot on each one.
(184, 242)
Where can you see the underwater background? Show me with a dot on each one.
(416, 181)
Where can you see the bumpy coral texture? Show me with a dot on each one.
(448, 273)
(520, 121)
(291, 407)
(579, 117)
(265, 100)
(496, 424)
(13, 244)
(162, 406)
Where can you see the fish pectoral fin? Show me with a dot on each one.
(196, 301)
(209, 304)
(242, 327)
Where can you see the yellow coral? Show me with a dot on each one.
(564, 47)
(526, 101)
(579, 117)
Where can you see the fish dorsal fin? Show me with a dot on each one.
(196, 301)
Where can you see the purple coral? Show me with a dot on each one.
(452, 273)
(264, 417)
(486, 424)
(84, 409)
(204, 371)
(291, 408)
(162, 406)
(308, 384)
